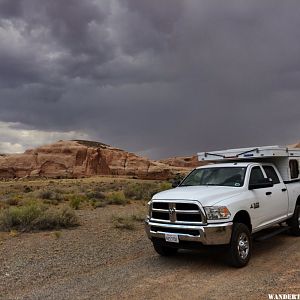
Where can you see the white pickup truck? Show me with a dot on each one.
(229, 201)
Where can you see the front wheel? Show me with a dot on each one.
(294, 222)
(164, 250)
(240, 248)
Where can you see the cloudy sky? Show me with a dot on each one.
(159, 77)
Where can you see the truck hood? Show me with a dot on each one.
(206, 195)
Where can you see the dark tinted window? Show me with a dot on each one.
(271, 173)
(294, 167)
(256, 176)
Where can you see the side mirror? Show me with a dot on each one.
(175, 183)
(265, 183)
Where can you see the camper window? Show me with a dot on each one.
(294, 168)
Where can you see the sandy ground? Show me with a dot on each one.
(99, 261)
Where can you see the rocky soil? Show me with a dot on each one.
(99, 261)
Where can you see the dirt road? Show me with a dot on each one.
(99, 261)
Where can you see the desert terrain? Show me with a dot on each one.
(101, 251)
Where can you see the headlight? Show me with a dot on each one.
(149, 208)
(217, 212)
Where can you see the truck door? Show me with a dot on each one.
(259, 199)
(278, 200)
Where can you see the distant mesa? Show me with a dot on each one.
(297, 145)
(80, 158)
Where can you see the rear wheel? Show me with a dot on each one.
(164, 250)
(294, 222)
(240, 248)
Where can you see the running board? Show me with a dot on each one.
(262, 236)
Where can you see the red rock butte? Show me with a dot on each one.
(74, 159)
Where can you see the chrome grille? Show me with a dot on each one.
(176, 212)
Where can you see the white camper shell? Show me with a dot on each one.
(287, 160)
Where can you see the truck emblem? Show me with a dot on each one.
(172, 212)
(255, 205)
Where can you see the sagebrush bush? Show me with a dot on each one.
(12, 201)
(47, 194)
(165, 186)
(144, 191)
(131, 192)
(138, 191)
(127, 222)
(95, 195)
(50, 195)
(123, 223)
(34, 216)
(75, 202)
(117, 198)
(27, 189)
(98, 203)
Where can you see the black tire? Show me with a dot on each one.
(164, 250)
(294, 222)
(240, 248)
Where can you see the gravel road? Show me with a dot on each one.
(98, 261)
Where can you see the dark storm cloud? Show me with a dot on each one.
(159, 77)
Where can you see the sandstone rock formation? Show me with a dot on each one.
(83, 158)
(297, 145)
(183, 162)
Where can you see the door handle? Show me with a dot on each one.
(284, 190)
(268, 193)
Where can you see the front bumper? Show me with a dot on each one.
(211, 234)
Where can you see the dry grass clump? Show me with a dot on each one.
(117, 198)
(12, 201)
(127, 222)
(50, 196)
(144, 191)
(123, 223)
(76, 201)
(34, 216)
(95, 195)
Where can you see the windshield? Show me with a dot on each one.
(221, 176)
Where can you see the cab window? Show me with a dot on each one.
(256, 176)
(271, 173)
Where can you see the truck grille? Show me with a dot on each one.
(176, 212)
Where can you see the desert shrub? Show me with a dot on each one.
(50, 197)
(165, 186)
(57, 234)
(127, 222)
(12, 201)
(36, 217)
(19, 217)
(98, 203)
(130, 191)
(123, 223)
(27, 189)
(47, 194)
(95, 195)
(61, 218)
(117, 198)
(144, 191)
(75, 202)
(59, 191)
(138, 217)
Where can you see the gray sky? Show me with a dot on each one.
(159, 77)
